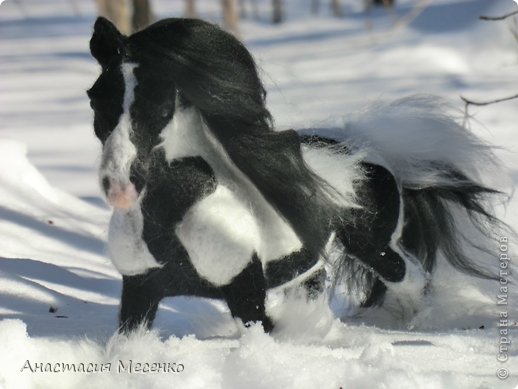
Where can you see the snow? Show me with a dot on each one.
(59, 292)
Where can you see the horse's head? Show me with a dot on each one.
(146, 81)
(132, 104)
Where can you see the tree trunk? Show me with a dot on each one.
(190, 9)
(230, 15)
(315, 7)
(385, 3)
(142, 15)
(242, 9)
(117, 11)
(336, 7)
(75, 8)
(277, 16)
(255, 11)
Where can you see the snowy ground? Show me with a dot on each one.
(59, 293)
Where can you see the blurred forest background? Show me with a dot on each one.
(133, 15)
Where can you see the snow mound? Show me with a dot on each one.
(365, 358)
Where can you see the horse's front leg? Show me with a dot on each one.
(246, 294)
(139, 302)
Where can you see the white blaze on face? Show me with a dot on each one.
(128, 251)
(119, 152)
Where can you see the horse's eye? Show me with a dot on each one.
(165, 111)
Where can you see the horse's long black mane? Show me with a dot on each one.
(217, 74)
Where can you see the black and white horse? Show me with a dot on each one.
(209, 201)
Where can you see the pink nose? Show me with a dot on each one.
(122, 196)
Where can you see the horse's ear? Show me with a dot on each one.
(107, 42)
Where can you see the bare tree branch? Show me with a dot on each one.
(482, 103)
(468, 102)
(491, 18)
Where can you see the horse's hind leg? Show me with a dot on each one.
(368, 233)
(371, 236)
(246, 294)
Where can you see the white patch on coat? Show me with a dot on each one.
(409, 291)
(220, 234)
(339, 168)
(414, 273)
(183, 136)
(128, 251)
(269, 235)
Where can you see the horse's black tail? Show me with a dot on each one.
(443, 171)
(453, 219)
(439, 165)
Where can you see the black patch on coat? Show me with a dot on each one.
(289, 267)
(246, 294)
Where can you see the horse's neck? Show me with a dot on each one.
(184, 135)
(188, 136)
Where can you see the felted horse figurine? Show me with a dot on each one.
(208, 200)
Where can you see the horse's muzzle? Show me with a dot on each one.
(121, 196)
